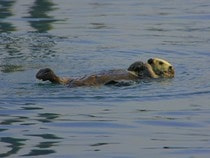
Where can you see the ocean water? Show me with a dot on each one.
(155, 118)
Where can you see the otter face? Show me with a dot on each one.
(45, 74)
(161, 67)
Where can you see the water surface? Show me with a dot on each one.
(161, 118)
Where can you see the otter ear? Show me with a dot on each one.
(136, 67)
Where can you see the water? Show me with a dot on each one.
(163, 118)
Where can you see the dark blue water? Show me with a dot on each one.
(161, 118)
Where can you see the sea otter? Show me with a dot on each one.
(154, 68)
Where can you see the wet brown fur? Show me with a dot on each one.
(154, 68)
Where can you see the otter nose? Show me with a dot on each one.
(150, 61)
(171, 69)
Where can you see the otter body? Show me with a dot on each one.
(154, 68)
(106, 77)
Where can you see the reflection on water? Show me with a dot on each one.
(36, 152)
(44, 147)
(10, 68)
(14, 144)
(39, 18)
(48, 117)
(23, 48)
(5, 12)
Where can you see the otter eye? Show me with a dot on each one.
(170, 67)
(160, 62)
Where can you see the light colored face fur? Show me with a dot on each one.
(161, 67)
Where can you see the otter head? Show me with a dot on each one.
(161, 68)
(46, 74)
